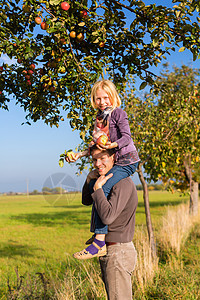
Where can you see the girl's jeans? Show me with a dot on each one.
(119, 172)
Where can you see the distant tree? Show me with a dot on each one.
(35, 192)
(166, 130)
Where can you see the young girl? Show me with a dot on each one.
(113, 122)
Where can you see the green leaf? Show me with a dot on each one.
(81, 24)
(54, 2)
(61, 162)
(143, 85)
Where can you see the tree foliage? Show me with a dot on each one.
(166, 127)
(55, 70)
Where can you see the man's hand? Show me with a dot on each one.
(101, 181)
(92, 175)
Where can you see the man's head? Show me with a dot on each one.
(103, 160)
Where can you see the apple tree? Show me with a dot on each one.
(58, 49)
(166, 130)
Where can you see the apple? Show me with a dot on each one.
(38, 20)
(19, 61)
(72, 34)
(27, 77)
(28, 82)
(30, 72)
(83, 14)
(44, 26)
(102, 140)
(70, 154)
(80, 37)
(24, 72)
(32, 67)
(65, 5)
(0, 92)
(1, 69)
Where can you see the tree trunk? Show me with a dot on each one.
(194, 187)
(194, 195)
(147, 212)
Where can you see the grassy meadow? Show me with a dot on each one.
(39, 234)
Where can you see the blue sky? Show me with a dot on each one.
(29, 154)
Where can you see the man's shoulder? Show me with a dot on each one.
(126, 183)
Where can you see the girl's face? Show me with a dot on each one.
(102, 99)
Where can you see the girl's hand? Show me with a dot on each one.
(101, 181)
(109, 145)
(91, 143)
(72, 157)
(92, 175)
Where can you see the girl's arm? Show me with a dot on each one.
(74, 156)
(121, 120)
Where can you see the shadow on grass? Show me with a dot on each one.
(54, 219)
(12, 248)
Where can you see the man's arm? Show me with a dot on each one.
(109, 210)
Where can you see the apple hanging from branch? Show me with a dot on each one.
(65, 6)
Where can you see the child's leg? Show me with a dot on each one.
(119, 172)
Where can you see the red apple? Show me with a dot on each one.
(32, 67)
(38, 20)
(27, 77)
(83, 14)
(28, 82)
(102, 140)
(24, 72)
(65, 5)
(30, 72)
(0, 92)
(44, 26)
(19, 61)
(1, 69)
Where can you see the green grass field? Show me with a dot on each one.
(36, 232)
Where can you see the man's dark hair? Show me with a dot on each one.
(110, 152)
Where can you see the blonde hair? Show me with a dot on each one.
(110, 89)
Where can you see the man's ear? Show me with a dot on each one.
(114, 156)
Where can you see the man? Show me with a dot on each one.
(118, 212)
